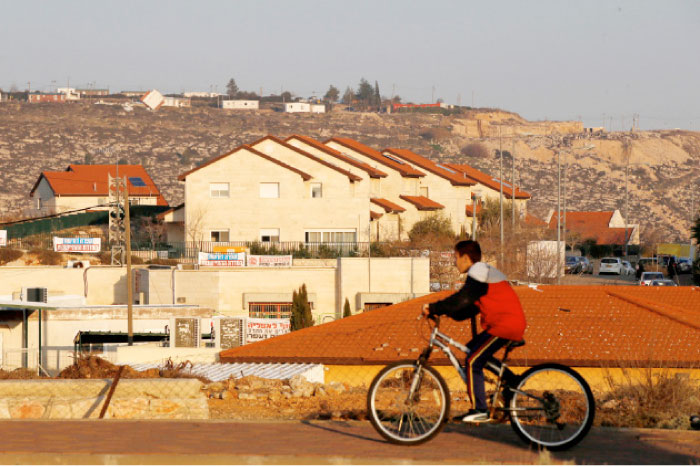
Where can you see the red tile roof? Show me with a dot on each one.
(592, 225)
(455, 178)
(387, 205)
(422, 203)
(375, 215)
(404, 169)
(469, 209)
(351, 176)
(91, 180)
(489, 181)
(371, 171)
(609, 326)
(303, 175)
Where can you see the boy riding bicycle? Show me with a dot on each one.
(487, 291)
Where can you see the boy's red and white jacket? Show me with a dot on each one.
(488, 292)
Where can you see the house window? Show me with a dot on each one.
(269, 190)
(38, 203)
(219, 236)
(329, 236)
(270, 310)
(316, 190)
(269, 235)
(218, 190)
(424, 191)
(374, 306)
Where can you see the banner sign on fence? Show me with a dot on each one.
(229, 249)
(221, 259)
(77, 245)
(258, 329)
(3, 237)
(270, 261)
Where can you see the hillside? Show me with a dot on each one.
(168, 142)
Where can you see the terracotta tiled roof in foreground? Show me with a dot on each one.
(387, 205)
(91, 180)
(455, 178)
(422, 203)
(404, 169)
(489, 181)
(594, 326)
(593, 225)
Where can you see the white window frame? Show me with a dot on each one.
(272, 234)
(326, 235)
(216, 190)
(265, 186)
(220, 231)
(318, 185)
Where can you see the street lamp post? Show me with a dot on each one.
(500, 150)
(475, 195)
(558, 254)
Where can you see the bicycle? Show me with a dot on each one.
(549, 405)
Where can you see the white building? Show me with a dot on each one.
(240, 104)
(202, 94)
(296, 107)
(318, 108)
(169, 101)
(71, 93)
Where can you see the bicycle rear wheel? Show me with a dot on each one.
(552, 406)
(404, 419)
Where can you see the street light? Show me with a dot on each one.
(476, 194)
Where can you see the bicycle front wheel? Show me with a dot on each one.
(403, 417)
(552, 407)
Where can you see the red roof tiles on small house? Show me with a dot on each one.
(422, 203)
(252, 150)
(608, 326)
(371, 171)
(592, 225)
(404, 169)
(351, 176)
(387, 205)
(92, 180)
(489, 181)
(454, 177)
(375, 215)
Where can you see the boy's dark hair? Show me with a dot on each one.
(470, 248)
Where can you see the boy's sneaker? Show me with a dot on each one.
(476, 416)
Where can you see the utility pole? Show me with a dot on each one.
(512, 185)
(432, 96)
(129, 282)
(500, 150)
(558, 258)
(627, 202)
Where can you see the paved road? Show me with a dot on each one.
(315, 442)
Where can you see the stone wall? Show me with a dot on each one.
(177, 398)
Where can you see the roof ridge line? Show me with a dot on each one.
(653, 307)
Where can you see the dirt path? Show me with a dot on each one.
(313, 442)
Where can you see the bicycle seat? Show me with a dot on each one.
(514, 344)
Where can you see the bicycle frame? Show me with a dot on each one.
(445, 343)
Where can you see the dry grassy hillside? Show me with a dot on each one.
(168, 142)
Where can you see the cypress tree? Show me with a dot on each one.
(301, 310)
(346, 309)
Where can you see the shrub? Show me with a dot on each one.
(301, 310)
(657, 399)
(434, 225)
(9, 254)
(476, 150)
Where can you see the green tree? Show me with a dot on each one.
(232, 88)
(332, 94)
(435, 225)
(377, 96)
(346, 309)
(365, 93)
(301, 310)
(286, 96)
(348, 96)
(89, 159)
(696, 230)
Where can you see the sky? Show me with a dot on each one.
(602, 62)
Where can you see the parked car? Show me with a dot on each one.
(586, 265)
(664, 282)
(627, 268)
(648, 277)
(572, 265)
(610, 266)
(685, 265)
